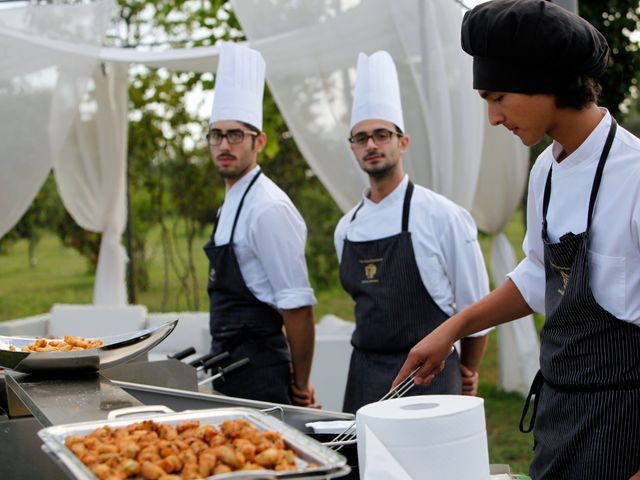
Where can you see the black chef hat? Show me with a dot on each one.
(530, 46)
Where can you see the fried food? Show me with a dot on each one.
(151, 450)
(68, 344)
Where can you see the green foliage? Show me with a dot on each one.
(171, 180)
(285, 165)
(616, 20)
(48, 213)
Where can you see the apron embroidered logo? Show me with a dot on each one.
(212, 275)
(565, 273)
(370, 270)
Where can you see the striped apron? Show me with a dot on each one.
(393, 311)
(586, 413)
(245, 327)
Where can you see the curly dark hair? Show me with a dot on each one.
(578, 95)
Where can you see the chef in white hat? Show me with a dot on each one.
(258, 279)
(409, 257)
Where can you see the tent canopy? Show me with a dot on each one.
(58, 80)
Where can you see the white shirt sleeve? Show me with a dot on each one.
(340, 234)
(464, 261)
(278, 236)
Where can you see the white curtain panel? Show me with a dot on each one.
(311, 48)
(501, 184)
(49, 54)
(40, 86)
(518, 348)
(90, 171)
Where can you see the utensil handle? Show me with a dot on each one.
(223, 371)
(236, 365)
(182, 353)
(198, 361)
(213, 360)
(121, 412)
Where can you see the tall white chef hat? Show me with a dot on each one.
(239, 87)
(377, 93)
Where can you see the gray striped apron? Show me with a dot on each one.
(586, 413)
(393, 311)
(245, 327)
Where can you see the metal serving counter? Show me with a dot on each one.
(36, 401)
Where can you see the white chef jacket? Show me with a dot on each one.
(614, 243)
(269, 242)
(444, 238)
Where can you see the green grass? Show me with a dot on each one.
(62, 276)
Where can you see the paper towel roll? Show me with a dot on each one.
(431, 436)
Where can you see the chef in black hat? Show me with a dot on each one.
(536, 65)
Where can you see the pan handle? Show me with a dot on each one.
(277, 409)
(121, 412)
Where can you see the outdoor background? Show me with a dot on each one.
(174, 191)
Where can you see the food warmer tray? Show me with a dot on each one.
(116, 349)
(328, 463)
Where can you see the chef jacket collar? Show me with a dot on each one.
(589, 150)
(397, 193)
(241, 184)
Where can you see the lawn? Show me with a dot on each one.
(61, 276)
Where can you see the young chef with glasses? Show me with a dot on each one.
(408, 256)
(258, 279)
(535, 64)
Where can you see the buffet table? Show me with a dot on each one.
(29, 402)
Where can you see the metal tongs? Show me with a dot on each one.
(349, 435)
(222, 371)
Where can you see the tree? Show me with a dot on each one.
(172, 181)
(616, 20)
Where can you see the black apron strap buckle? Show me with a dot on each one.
(536, 387)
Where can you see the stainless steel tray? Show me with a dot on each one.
(116, 349)
(330, 464)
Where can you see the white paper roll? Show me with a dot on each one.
(432, 436)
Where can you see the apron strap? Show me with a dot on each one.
(235, 220)
(406, 206)
(598, 177)
(357, 210)
(594, 188)
(536, 387)
(215, 224)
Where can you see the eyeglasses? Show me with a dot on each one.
(234, 136)
(380, 136)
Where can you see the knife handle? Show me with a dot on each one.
(182, 354)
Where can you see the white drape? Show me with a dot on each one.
(90, 171)
(51, 119)
(311, 50)
(501, 182)
(41, 87)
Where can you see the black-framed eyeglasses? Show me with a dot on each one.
(233, 136)
(380, 136)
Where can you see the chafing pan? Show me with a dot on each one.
(328, 464)
(116, 349)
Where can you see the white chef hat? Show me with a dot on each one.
(239, 87)
(377, 93)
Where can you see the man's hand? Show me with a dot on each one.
(636, 476)
(300, 332)
(304, 397)
(429, 354)
(469, 381)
